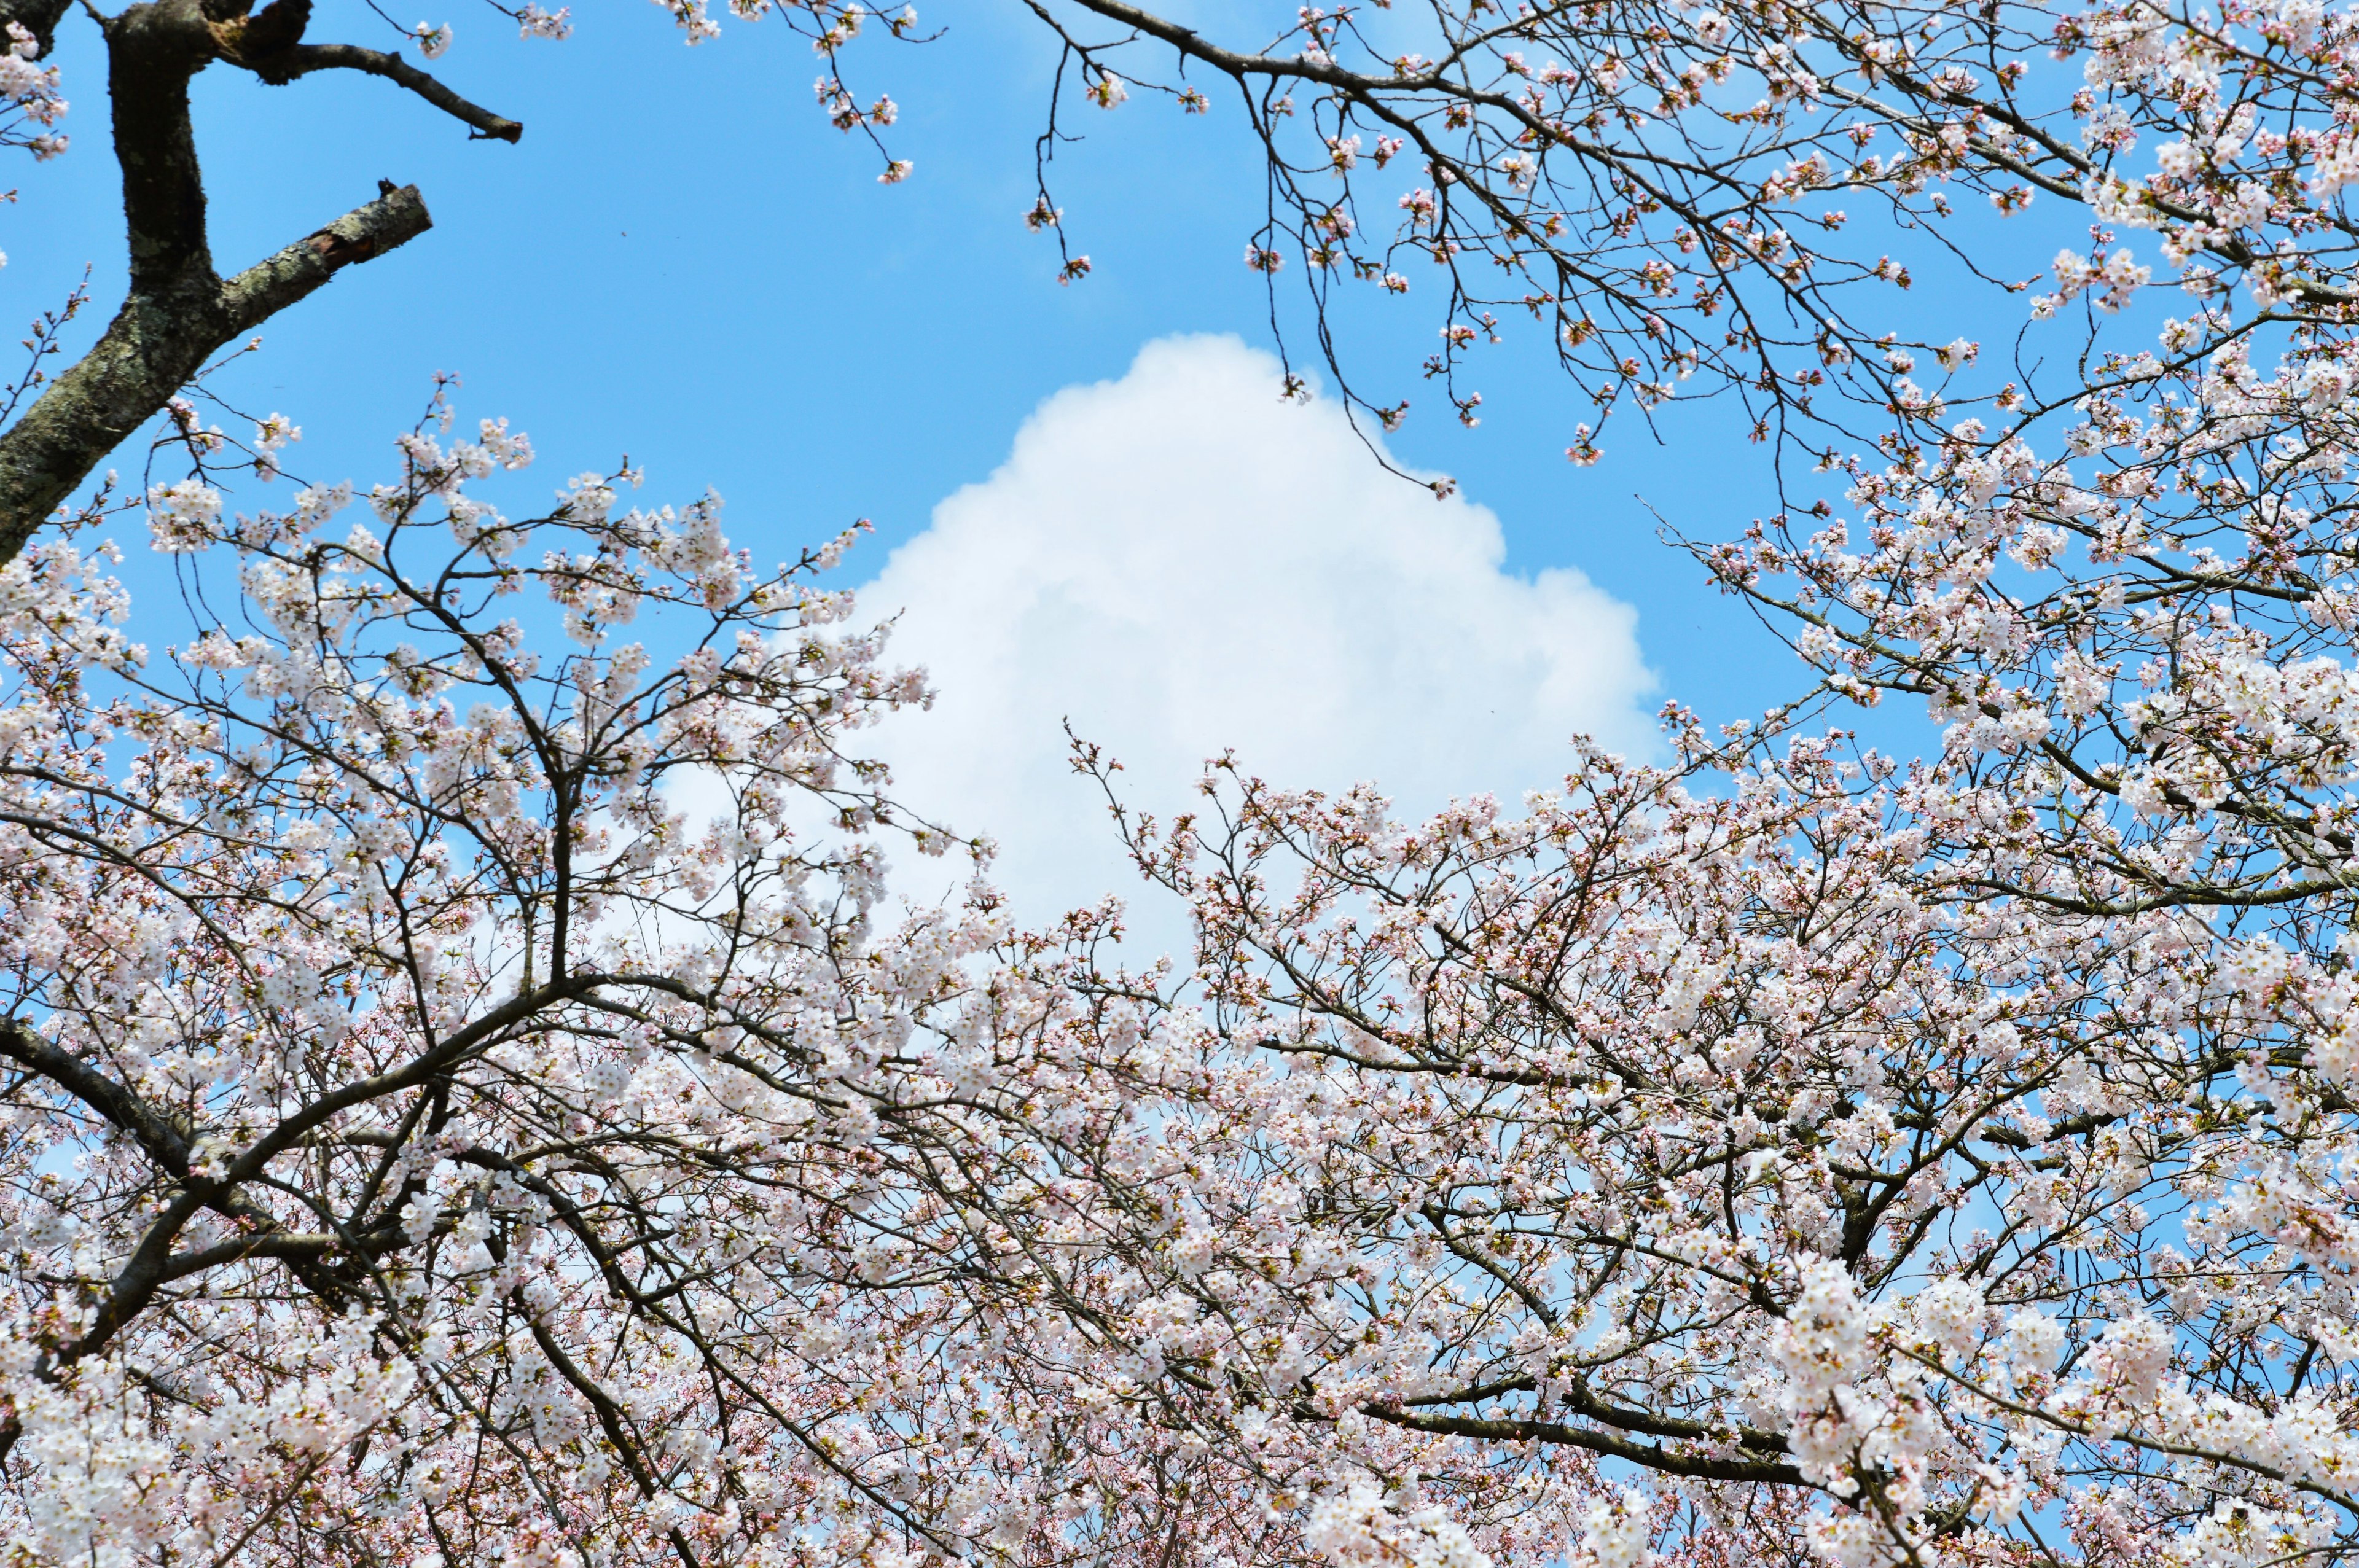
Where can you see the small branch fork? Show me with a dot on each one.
(180, 311)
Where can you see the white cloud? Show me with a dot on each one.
(1180, 564)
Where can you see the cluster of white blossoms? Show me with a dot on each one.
(1360, 1528)
(29, 105)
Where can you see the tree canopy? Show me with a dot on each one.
(470, 1095)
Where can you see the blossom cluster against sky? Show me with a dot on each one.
(710, 280)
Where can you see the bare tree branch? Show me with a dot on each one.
(304, 59)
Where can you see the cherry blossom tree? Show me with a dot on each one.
(1794, 1153)
(469, 1097)
(422, 1135)
(1734, 1177)
(1665, 190)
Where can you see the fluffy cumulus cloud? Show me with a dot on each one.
(1178, 564)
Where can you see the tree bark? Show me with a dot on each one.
(179, 312)
(152, 347)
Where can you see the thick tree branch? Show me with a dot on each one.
(179, 313)
(168, 1143)
(398, 216)
(154, 346)
(152, 53)
(160, 1138)
(243, 1248)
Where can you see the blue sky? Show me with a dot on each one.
(683, 262)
